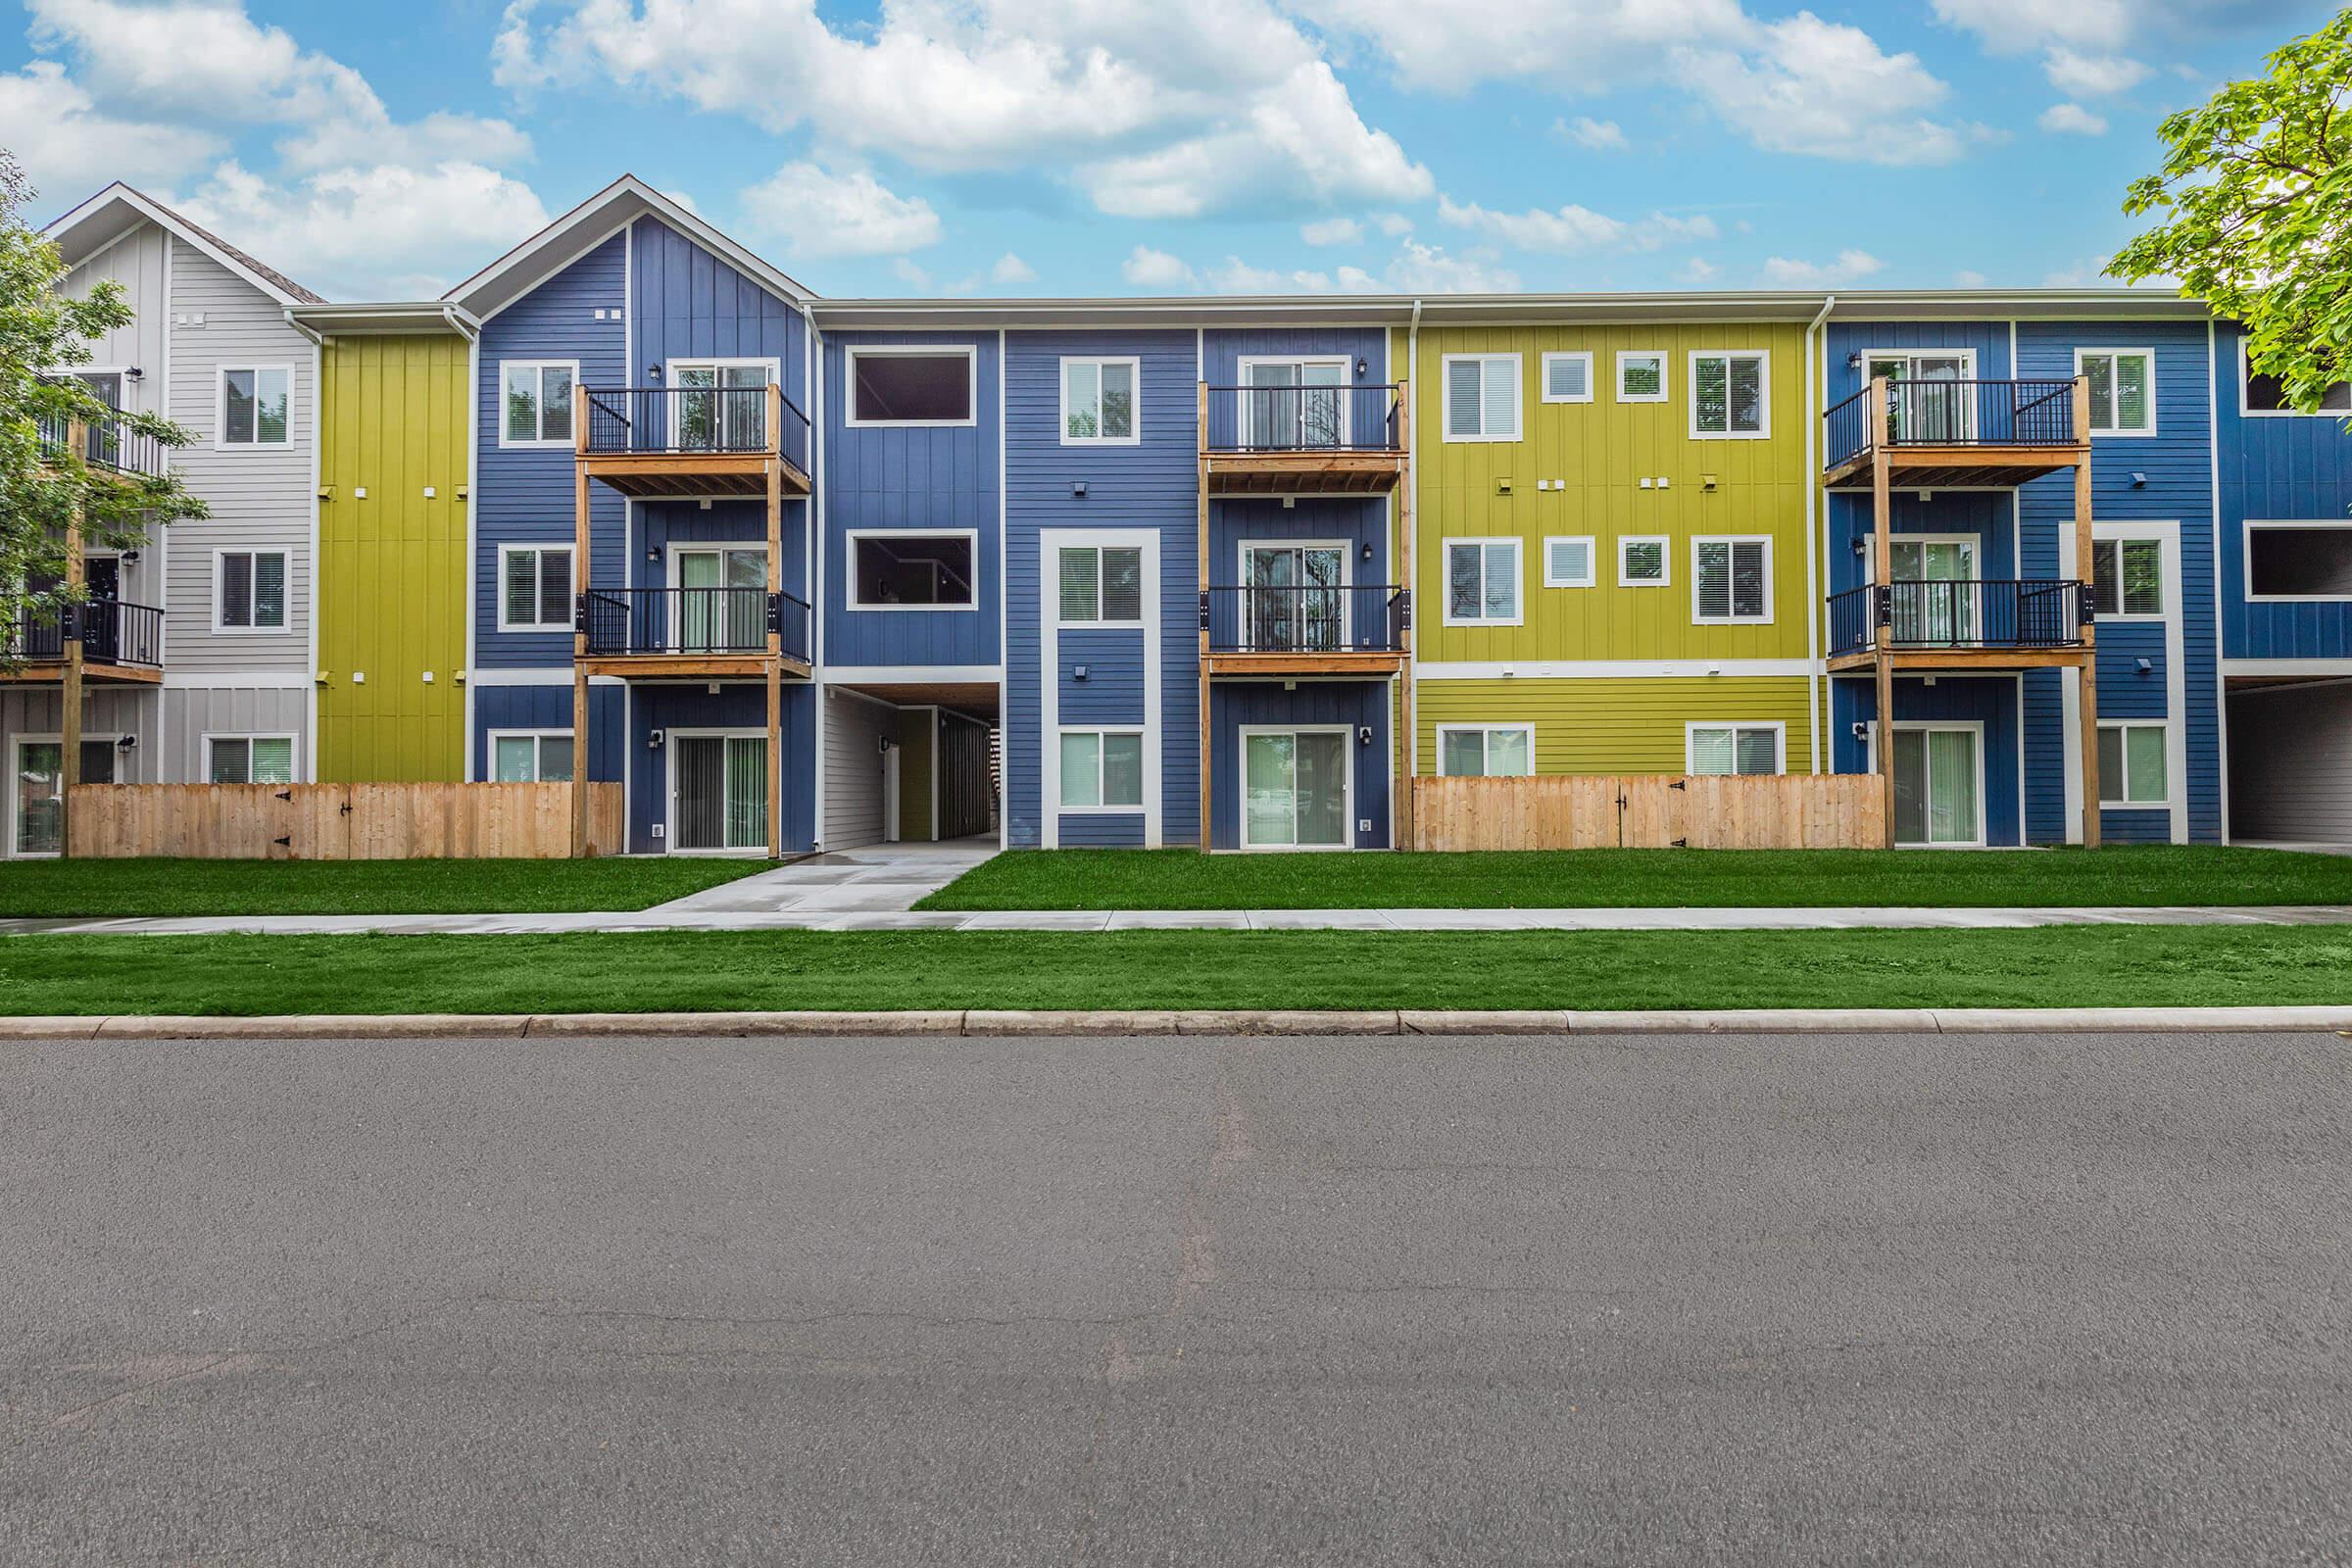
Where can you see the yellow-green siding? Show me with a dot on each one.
(918, 740)
(392, 561)
(1610, 724)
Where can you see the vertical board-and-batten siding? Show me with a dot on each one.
(137, 263)
(2276, 468)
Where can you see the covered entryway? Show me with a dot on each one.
(2291, 761)
(910, 764)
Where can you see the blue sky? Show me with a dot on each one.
(379, 150)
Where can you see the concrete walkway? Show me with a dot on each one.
(881, 878)
(678, 916)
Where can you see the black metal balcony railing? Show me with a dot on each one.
(109, 443)
(692, 620)
(691, 420)
(1348, 618)
(1954, 414)
(2029, 613)
(1360, 417)
(111, 632)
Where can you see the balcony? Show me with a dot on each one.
(1348, 630)
(2002, 624)
(693, 441)
(1304, 440)
(108, 446)
(692, 633)
(1952, 432)
(121, 643)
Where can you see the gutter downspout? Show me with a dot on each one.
(1412, 566)
(1817, 543)
(306, 770)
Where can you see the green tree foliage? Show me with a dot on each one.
(45, 482)
(2255, 198)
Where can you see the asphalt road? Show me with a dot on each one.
(2013, 1299)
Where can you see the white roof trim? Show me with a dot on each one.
(163, 217)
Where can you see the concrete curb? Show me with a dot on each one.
(1007, 1024)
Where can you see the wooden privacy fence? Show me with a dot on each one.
(1650, 812)
(337, 822)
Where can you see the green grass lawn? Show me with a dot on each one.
(705, 972)
(60, 888)
(1540, 879)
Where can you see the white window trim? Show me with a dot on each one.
(1780, 744)
(1665, 392)
(569, 588)
(536, 444)
(1097, 546)
(670, 367)
(1241, 799)
(1543, 383)
(1968, 372)
(2165, 727)
(1763, 358)
(1591, 577)
(1974, 727)
(850, 538)
(220, 627)
(1976, 546)
(292, 740)
(2245, 411)
(492, 738)
(1665, 543)
(670, 790)
(1444, 730)
(1445, 399)
(1345, 547)
(15, 802)
(855, 352)
(2119, 535)
(1764, 539)
(221, 441)
(2148, 354)
(1134, 809)
(1518, 615)
(1134, 366)
(1243, 365)
(676, 639)
(2245, 557)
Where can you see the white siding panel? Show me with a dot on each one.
(136, 262)
(194, 712)
(2290, 764)
(853, 731)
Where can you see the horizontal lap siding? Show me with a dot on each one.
(1358, 705)
(190, 712)
(2277, 470)
(504, 708)
(735, 706)
(1614, 725)
(1989, 700)
(1989, 515)
(2290, 764)
(855, 728)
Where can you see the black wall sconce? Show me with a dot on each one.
(1853, 361)
(134, 373)
(1363, 734)
(1367, 550)
(128, 743)
(654, 739)
(652, 552)
(653, 372)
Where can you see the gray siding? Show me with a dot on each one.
(853, 729)
(2290, 764)
(136, 262)
(191, 712)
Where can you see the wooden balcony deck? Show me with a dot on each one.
(1312, 472)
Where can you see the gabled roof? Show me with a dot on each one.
(560, 243)
(117, 209)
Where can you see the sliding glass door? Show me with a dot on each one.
(1938, 786)
(1294, 789)
(37, 790)
(721, 792)
(1297, 599)
(722, 604)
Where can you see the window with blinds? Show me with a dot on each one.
(1731, 579)
(1482, 397)
(251, 590)
(1727, 748)
(1101, 585)
(537, 593)
(2127, 577)
(1567, 377)
(1568, 560)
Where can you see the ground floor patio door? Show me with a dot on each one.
(37, 788)
(1294, 789)
(720, 791)
(1938, 786)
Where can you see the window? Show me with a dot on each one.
(1101, 585)
(2132, 765)
(1743, 749)
(537, 404)
(1567, 377)
(1482, 397)
(1482, 582)
(1731, 579)
(721, 406)
(922, 386)
(1486, 750)
(2298, 561)
(256, 406)
(1568, 560)
(2127, 576)
(1098, 402)
(536, 593)
(2267, 394)
(911, 571)
(2123, 389)
(1730, 395)
(1641, 561)
(1299, 404)
(249, 758)
(1102, 770)
(1641, 376)
(531, 757)
(249, 590)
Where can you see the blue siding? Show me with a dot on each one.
(1990, 341)
(1989, 515)
(732, 706)
(1990, 700)
(1356, 703)
(1112, 689)
(2286, 470)
(1105, 831)
(1223, 350)
(550, 708)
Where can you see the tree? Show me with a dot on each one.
(2256, 200)
(45, 483)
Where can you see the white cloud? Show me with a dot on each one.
(1698, 270)
(1826, 90)
(1850, 267)
(1332, 231)
(2080, 76)
(2072, 120)
(71, 148)
(1453, 44)
(1426, 270)
(816, 212)
(2013, 27)
(1393, 224)
(1600, 136)
(1010, 269)
(1572, 228)
(1146, 268)
(1967, 277)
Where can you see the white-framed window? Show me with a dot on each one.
(249, 590)
(893, 570)
(1731, 579)
(1482, 582)
(1100, 585)
(1568, 560)
(534, 588)
(2126, 577)
(2287, 562)
(2264, 397)
(721, 405)
(249, 758)
(1486, 750)
(530, 756)
(1730, 394)
(1640, 375)
(2133, 764)
(1568, 377)
(2123, 389)
(535, 400)
(1728, 748)
(1482, 397)
(1098, 402)
(1645, 561)
(913, 385)
(1102, 770)
(254, 407)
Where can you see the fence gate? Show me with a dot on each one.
(1650, 812)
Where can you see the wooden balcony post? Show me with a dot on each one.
(2083, 572)
(70, 697)
(1400, 745)
(1882, 576)
(580, 847)
(1200, 497)
(775, 635)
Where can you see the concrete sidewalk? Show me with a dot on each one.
(687, 916)
(877, 879)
